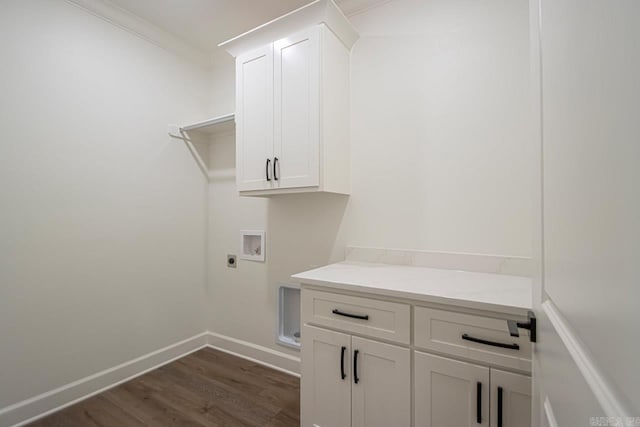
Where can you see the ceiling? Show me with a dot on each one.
(205, 23)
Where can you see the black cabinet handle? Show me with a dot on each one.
(499, 406)
(275, 168)
(266, 169)
(479, 403)
(354, 316)
(492, 343)
(355, 366)
(342, 374)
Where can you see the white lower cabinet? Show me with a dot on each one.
(381, 390)
(449, 393)
(352, 381)
(510, 399)
(325, 378)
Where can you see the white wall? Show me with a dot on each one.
(439, 115)
(440, 156)
(102, 251)
(585, 363)
(103, 216)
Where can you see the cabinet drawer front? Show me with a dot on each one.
(379, 319)
(475, 337)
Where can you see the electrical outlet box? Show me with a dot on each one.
(231, 261)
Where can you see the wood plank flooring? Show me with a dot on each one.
(205, 388)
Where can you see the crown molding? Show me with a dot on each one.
(317, 12)
(142, 28)
(355, 7)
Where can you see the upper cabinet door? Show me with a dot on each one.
(326, 378)
(449, 393)
(297, 109)
(510, 399)
(381, 395)
(254, 119)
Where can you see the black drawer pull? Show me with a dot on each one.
(354, 316)
(499, 406)
(479, 403)
(342, 374)
(355, 366)
(492, 343)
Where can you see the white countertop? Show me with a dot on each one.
(483, 291)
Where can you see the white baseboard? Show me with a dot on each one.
(31, 409)
(256, 353)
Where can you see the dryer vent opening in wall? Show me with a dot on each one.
(252, 245)
(288, 326)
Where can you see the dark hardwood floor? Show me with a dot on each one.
(205, 388)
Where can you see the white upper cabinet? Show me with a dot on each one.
(296, 150)
(292, 103)
(254, 122)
